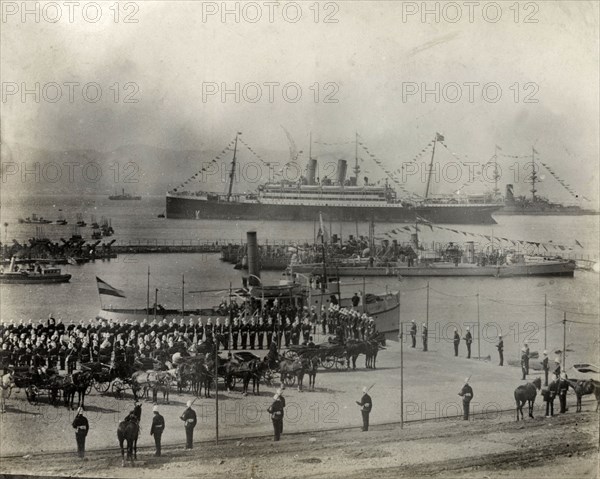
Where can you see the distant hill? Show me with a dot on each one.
(139, 169)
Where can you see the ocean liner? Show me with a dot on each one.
(341, 198)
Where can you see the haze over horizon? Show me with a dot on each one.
(171, 58)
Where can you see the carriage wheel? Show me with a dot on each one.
(340, 363)
(101, 387)
(328, 362)
(268, 377)
(33, 394)
(185, 385)
(289, 354)
(231, 383)
(118, 389)
(289, 380)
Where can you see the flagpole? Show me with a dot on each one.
(155, 301)
(182, 294)
(148, 292)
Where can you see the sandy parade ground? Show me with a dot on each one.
(322, 436)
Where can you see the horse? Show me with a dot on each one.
(162, 384)
(257, 369)
(313, 365)
(77, 382)
(291, 368)
(583, 387)
(7, 382)
(527, 392)
(129, 430)
(373, 346)
(355, 348)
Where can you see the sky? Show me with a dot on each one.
(360, 66)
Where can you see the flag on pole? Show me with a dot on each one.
(107, 289)
(322, 231)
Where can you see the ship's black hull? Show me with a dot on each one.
(192, 208)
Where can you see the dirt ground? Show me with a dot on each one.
(321, 433)
(564, 446)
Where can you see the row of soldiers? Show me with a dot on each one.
(53, 344)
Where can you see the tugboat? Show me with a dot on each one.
(38, 274)
(34, 220)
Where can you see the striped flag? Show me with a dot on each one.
(108, 290)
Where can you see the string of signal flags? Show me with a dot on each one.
(410, 229)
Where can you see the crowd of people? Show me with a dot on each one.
(53, 344)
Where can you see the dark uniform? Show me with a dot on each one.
(500, 347)
(467, 394)
(189, 420)
(156, 430)
(424, 336)
(413, 334)
(81, 426)
(456, 342)
(546, 368)
(276, 412)
(366, 404)
(468, 341)
(524, 364)
(549, 396)
(563, 388)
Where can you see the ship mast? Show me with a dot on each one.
(533, 175)
(496, 175)
(232, 172)
(430, 167)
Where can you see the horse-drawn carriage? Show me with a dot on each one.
(36, 382)
(329, 355)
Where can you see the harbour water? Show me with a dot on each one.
(511, 306)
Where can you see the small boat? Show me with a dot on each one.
(34, 219)
(37, 275)
(124, 196)
(80, 221)
(61, 220)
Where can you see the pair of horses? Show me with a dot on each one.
(297, 368)
(369, 347)
(155, 381)
(253, 370)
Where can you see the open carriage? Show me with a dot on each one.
(38, 382)
(329, 354)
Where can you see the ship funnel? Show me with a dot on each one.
(253, 259)
(342, 168)
(510, 197)
(311, 171)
